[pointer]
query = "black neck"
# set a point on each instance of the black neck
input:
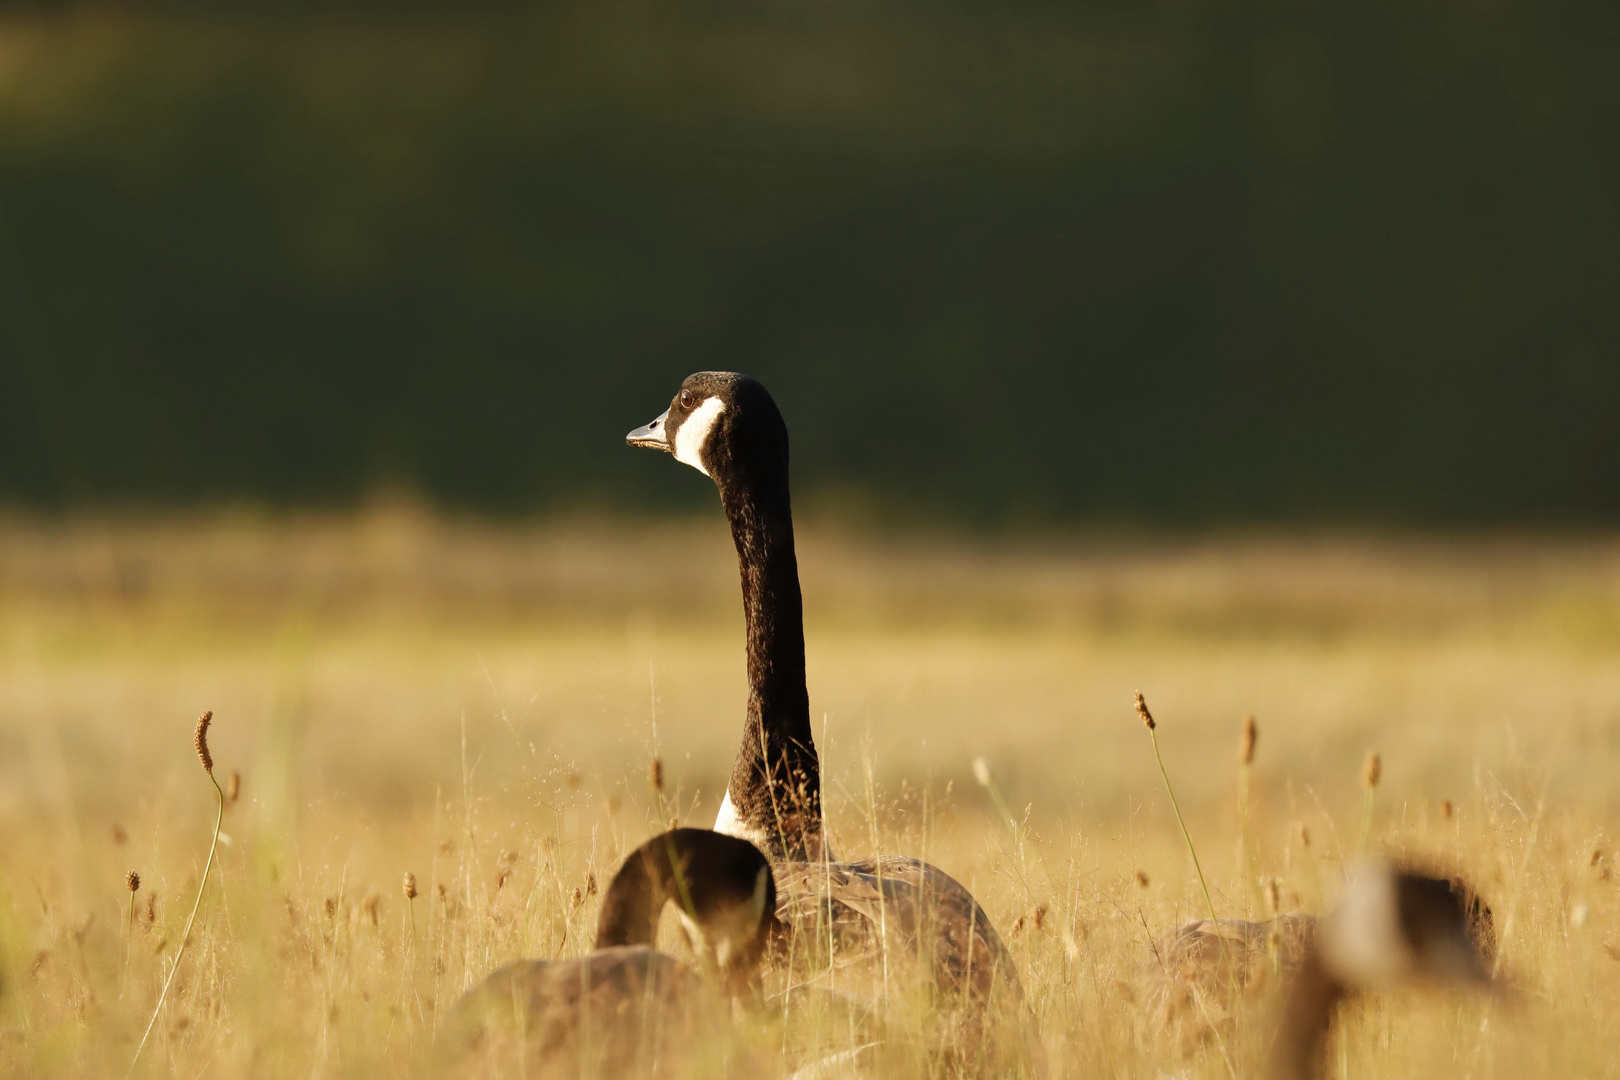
(1307, 1014)
(776, 782)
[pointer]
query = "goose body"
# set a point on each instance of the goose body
(626, 1009)
(728, 427)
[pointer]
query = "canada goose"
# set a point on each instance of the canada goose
(626, 1009)
(1196, 968)
(1391, 928)
(728, 427)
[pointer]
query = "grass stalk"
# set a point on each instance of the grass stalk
(185, 937)
(1371, 771)
(1246, 746)
(132, 884)
(1214, 921)
(1153, 735)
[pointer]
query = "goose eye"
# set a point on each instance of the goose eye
(687, 400)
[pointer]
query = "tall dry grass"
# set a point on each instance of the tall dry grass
(478, 706)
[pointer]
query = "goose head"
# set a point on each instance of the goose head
(1393, 927)
(722, 888)
(724, 425)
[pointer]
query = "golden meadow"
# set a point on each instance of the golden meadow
(479, 705)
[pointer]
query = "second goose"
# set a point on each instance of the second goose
(626, 1009)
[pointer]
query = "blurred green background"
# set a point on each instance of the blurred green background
(1185, 261)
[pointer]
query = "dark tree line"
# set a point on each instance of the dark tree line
(1191, 261)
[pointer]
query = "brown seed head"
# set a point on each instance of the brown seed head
(1273, 900)
(1371, 770)
(233, 787)
(201, 740)
(132, 881)
(1142, 711)
(655, 774)
(590, 883)
(408, 887)
(1445, 809)
(577, 898)
(1141, 879)
(1251, 735)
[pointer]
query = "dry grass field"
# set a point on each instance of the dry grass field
(478, 705)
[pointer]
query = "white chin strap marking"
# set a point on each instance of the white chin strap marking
(693, 434)
(727, 821)
(730, 823)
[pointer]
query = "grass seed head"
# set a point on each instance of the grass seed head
(1371, 770)
(1142, 711)
(655, 774)
(201, 741)
(132, 881)
(408, 886)
(1251, 735)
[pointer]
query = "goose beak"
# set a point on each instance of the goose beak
(654, 436)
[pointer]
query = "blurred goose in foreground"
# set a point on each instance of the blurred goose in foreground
(1391, 928)
(854, 921)
(626, 1009)
(1196, 969)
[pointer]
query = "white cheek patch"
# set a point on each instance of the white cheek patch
(693, 434)
(1361, 940)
